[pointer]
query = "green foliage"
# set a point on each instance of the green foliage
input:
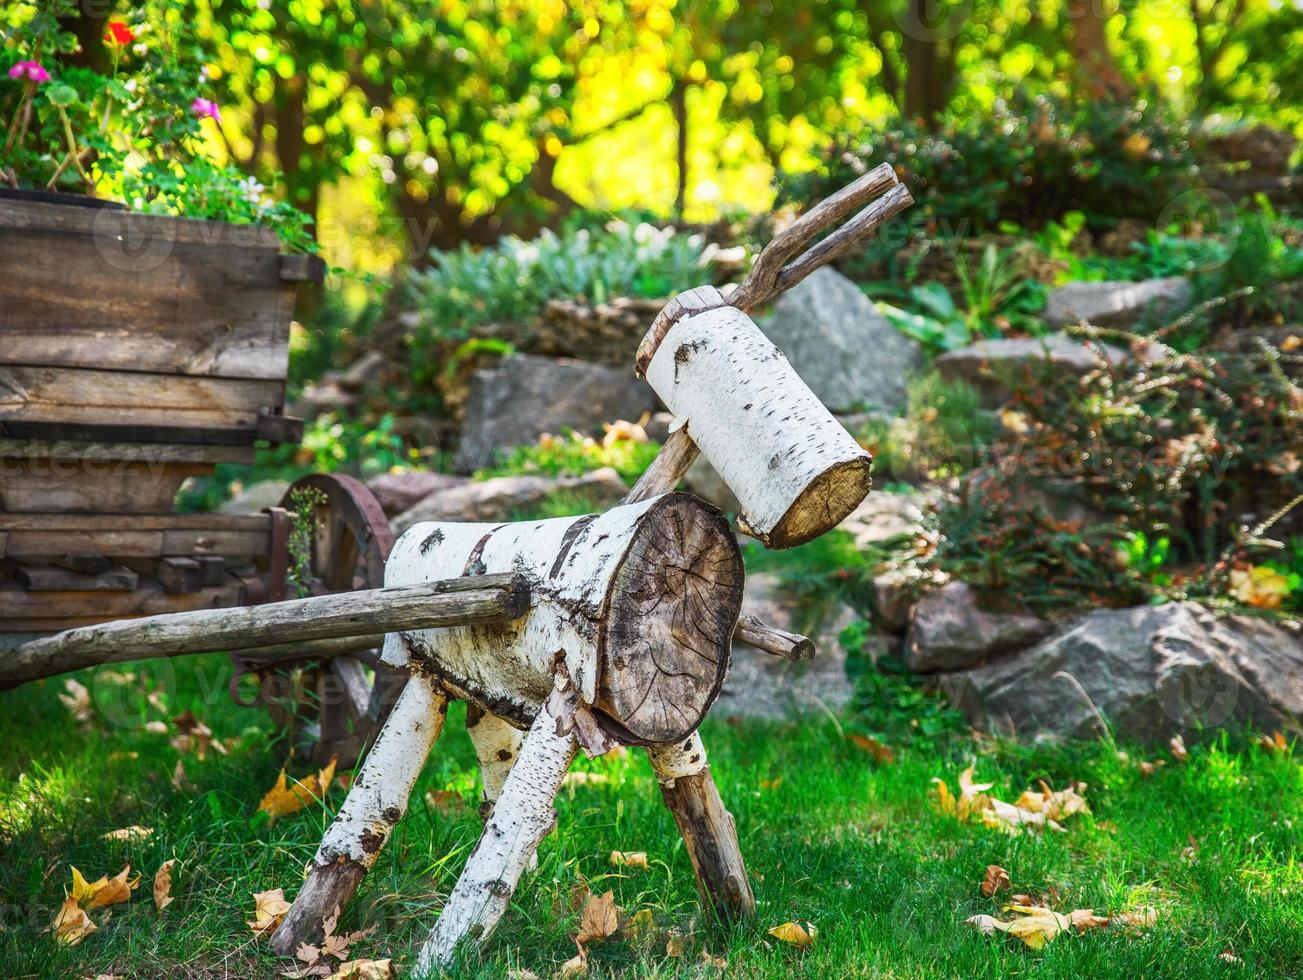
(943, 433)
(1290, 565)
(513, 279)
(821, 576)
(133, 133)
(573, 454)
(1029, 161)
(1261, 264)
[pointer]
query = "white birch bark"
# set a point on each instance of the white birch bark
(796, 472)
(497, 744)
(522, 817)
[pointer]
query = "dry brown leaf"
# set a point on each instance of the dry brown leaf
(1140, 917)
(1273, 743)
(718, 962)
(1084, 920)
(282, 799)
(675, 946)
(1037, 927)
(1147, 769)
(163, 885)
(363, 970)
(157, 727)
(76, 700)
(194, 735)
(970, 798)
(1226, 956)
(1056, 805)
(269, 908)
(795, 934)
(445, 801)
(621, 430)
(599, 918)
(576, 966)
(771, 784)
(1179, 752)
(996, 880)
(128, 833)
(882, 754)
(1010, 818)
(71, 924)
(105, 891)
(987, 925)
(630, 859)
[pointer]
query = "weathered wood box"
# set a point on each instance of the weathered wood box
(125, 327)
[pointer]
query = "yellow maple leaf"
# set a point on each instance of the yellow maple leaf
(795, 934)
(163, 885)
(970, 800)
(630, 859)
(105, 891)
(282, 799)
(1038, 925)
(363, 970)
(599, 918)
(1259, 586)
(269, 908)
(72, 924)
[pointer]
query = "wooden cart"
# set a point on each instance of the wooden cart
(137, 351)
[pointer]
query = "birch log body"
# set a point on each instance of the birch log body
(376, 801)
(640, 603)
(496, 745)
(793, 468)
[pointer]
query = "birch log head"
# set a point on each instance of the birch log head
(639, 603)
(796, 472)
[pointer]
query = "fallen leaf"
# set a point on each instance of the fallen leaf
(128, 833)
(179, 781)
(794, 934)
(269, 908)
(675, 946)
(882, 754)
(1085, 919)
(1273, 743)
(621, 430)
(970, 798)
(599, 918)
(1055, 804)
(72, 924)
(282, 799)
(1147, 769)
(446, 801)
(163, 885)
(1010, 818)
(157, 727)
(987, 925)
(630, 859)
(1038, 925)
(718, 962)
(1141, 917)
(363, 970)
(996, 880)
(105, 891)
(76, 700)
(1226, 956)
(576, 966)
(1179, 752)
(194, 735)
(771, 784)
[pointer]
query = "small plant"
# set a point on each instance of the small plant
(134, 134)
(574, 454)
(944, 432)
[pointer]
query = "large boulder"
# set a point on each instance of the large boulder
(525, 396)
(948, 630)
(498, 498)
(1116, 304)
(991, 366)
(841, 346)
(1150, 672)
(761, 685)
(396, 492)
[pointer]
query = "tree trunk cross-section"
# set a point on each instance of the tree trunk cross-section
(639, 603)
(674, 603)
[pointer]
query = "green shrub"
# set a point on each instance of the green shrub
(943, 433)
(1030, 160)
(572, 454)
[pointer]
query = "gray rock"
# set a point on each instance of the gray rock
(492, 500)
(760, 685)
(841, 346)
(883, 516)
(396, 492)
(256, 497)
(702, 480)
(990, 365)
(526, 396)
(948, 631)
(1116, 304)
(1150, 671)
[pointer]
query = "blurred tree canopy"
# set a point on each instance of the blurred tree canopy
(409, 124)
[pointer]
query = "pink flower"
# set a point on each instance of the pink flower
(202, 108)
(33, 71)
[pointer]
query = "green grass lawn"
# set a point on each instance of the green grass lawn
(830, 837)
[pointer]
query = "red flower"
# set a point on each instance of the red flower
(119, 33)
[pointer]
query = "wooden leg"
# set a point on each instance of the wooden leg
(376, 801)
(496, 746)
(520, 820)
(707, 827)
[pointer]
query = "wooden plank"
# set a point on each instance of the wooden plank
(93, 485)
(430, 605)
(136, 452)
(31, 608)
(179, 575)
(135, 535)
(153, 293)
(216, 436)
(93, 397)
(44, 578)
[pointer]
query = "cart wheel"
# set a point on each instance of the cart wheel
(334, 707)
